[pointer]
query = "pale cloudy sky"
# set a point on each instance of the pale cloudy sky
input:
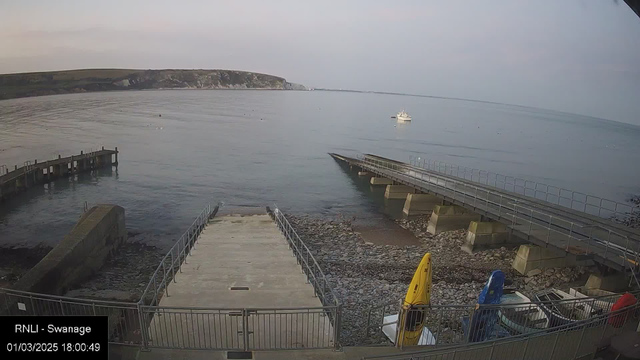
(580, 56)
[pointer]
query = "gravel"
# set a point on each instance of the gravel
(15, 262)
(125, 275)
(364, 275)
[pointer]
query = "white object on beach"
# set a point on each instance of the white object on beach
(389, 328)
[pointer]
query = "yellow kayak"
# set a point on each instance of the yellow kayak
(419, 293)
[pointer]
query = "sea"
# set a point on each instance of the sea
(183, 149)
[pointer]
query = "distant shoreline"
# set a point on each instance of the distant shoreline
(20, 85)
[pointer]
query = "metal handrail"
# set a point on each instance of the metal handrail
(305, 257)
(314, 273)
(596, 302)
(605, 298)
(578, 325)
(182, 248)
(518, 185)
(512, 212)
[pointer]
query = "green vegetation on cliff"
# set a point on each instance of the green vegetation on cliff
(74, 81)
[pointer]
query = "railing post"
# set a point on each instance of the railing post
(164, 279)
(180, 255)
(337, 327)
(589, 239)
(155, 290)
(524, 352)
(604, 330)
(245, 329)
(600, 207)
(33, 308)
(572, 194)
(143, 326)
(493, 346)
(400, 325)
(173, 271)
(555, 343)
(185, 247)
(575, 355)
(475, 197)
(606, 249)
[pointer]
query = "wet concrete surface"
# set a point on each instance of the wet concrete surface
(384, 231)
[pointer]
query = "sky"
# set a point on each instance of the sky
(578, 56)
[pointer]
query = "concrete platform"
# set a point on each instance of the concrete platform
(348, 353)
(531, 257)
(486, 234)
(241, 262)
(446, 218)
(398, 192)
(420, 204)
(380, 181)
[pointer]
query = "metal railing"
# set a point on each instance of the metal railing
(238, 328)
(146, 324)
(124, 320)
(315, 276)
(575, 200)
(568, 341)
(307, 261)
(606, 245)
(241, 329)
(460, 324)
(172, 262)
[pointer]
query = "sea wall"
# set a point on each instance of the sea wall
(96, 236)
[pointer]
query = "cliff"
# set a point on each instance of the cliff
(74, 81)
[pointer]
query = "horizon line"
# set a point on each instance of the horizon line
(474, 100)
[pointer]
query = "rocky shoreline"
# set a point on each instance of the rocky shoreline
(365, 275)
(125, 275)
(122, 278)
(15, 262)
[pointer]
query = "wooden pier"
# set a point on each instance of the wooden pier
(22, 178)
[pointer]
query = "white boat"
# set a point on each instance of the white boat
(523, 316)
(599, 300)
(402, 116)
(563, 308)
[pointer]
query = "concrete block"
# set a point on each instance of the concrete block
(485, 234)
(534, 272)
(380, 181)
(84, 250)
(450, 217)
(613, 282)
(398, 191)
(583, 291)
(530, 257)
(420, 204)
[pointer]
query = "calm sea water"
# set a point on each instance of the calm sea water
(250, 148)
